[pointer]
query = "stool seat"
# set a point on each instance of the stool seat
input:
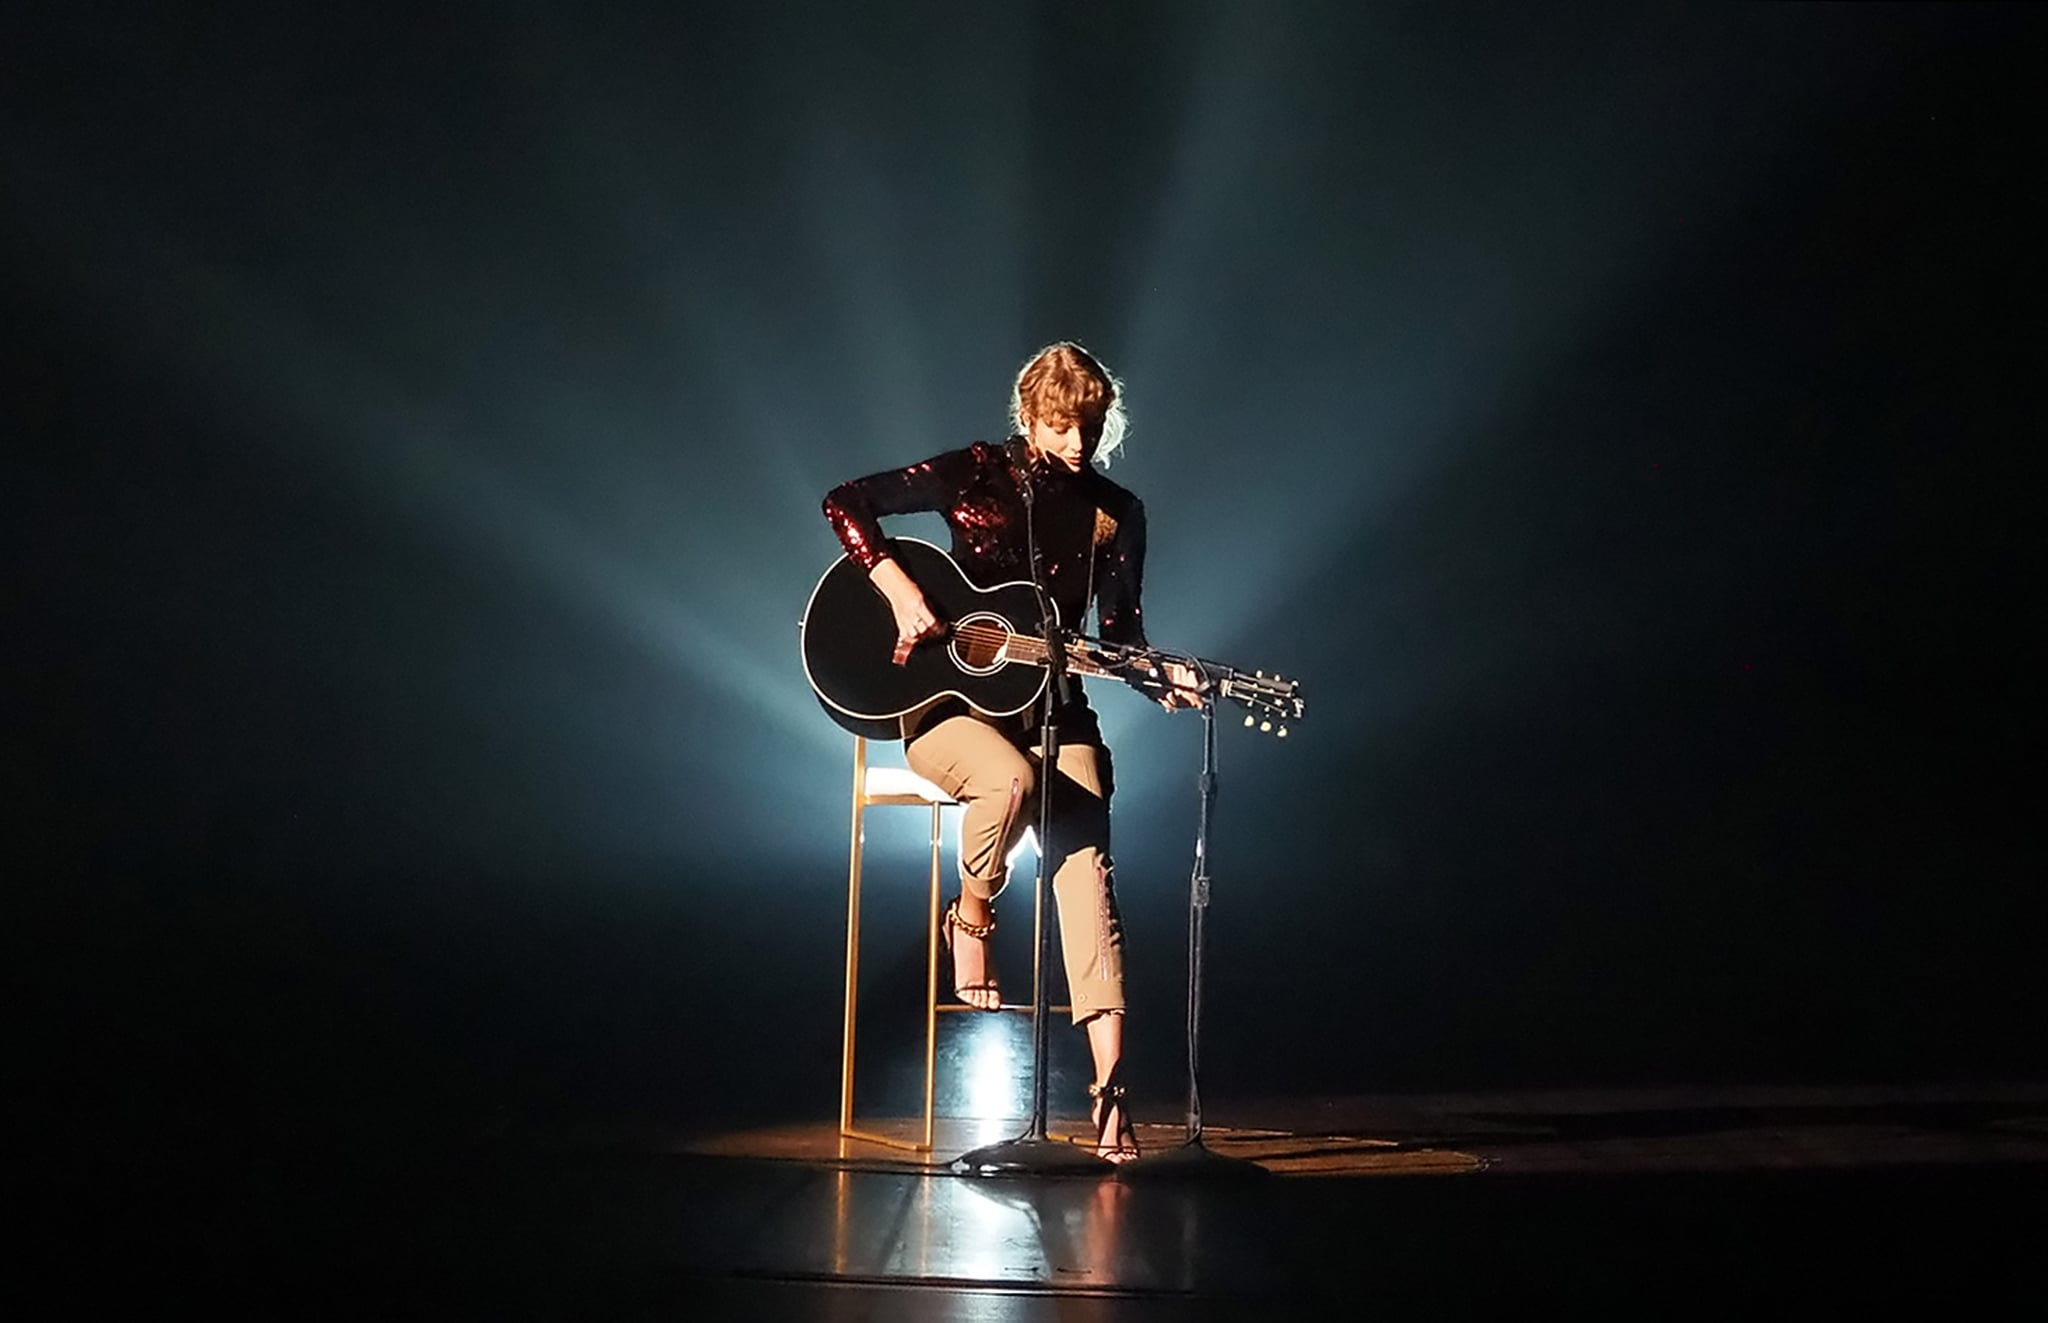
(900, 785)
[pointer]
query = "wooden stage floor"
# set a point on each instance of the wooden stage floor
(1674, 1201)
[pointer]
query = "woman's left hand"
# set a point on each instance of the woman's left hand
(1186, 687)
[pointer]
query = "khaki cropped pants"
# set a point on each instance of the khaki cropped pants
(977, 763)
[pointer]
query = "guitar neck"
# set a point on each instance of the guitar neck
(1138, 666)
(1031, 651)
(1144, 669)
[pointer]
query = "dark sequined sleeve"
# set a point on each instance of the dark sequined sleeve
(1118, 596)
(854, 508)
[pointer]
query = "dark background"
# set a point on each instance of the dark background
(1618, 419)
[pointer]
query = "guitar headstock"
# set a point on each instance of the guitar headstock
(1270, 702)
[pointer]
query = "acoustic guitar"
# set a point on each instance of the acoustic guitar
(991, 654)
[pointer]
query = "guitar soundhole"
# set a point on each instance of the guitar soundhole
(978, 642)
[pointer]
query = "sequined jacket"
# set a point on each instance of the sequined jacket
(1090, 531)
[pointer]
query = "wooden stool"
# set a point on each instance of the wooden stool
(878, 787)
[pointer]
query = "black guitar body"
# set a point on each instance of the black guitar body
(849, 635)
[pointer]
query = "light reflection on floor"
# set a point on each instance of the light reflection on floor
(888, 1226)
(991, 1065)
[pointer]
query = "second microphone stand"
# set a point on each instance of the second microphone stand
(1193, 1157)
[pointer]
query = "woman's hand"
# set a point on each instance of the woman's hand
(1186, 690)
(915, 620)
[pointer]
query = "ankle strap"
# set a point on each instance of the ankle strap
(978, 931)
(1113, 1087)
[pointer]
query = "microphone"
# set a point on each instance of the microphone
(1020, 459)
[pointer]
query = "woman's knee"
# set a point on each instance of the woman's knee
(1000, 776)
(970, 761)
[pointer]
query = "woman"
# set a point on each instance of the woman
(1037, 491)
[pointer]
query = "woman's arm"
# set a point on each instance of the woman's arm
(1119, 610)
(855, 510)
(1120, 587)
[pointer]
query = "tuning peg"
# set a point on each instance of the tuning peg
(1265, 725)
(1247, 723)
(1281, 733)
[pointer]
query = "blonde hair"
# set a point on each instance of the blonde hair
(1064, 382)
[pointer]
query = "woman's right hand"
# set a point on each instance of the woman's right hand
(915, 619)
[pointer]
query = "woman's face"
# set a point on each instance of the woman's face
(1069, 441)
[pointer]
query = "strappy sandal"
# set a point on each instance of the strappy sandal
(1110, 1111)
(980, 932)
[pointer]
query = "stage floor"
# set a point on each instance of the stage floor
(1824, 1199)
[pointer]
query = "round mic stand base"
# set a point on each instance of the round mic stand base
(1192, 1160)
(1030, 1156)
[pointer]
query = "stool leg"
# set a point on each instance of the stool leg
(931, 988)
(854, 849)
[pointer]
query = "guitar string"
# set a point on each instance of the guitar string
(1014, 646)
(1005, 643)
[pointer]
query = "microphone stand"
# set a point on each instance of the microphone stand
(1035, 1153)
(1193, 1157)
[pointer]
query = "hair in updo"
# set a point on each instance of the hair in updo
(1064, 382)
